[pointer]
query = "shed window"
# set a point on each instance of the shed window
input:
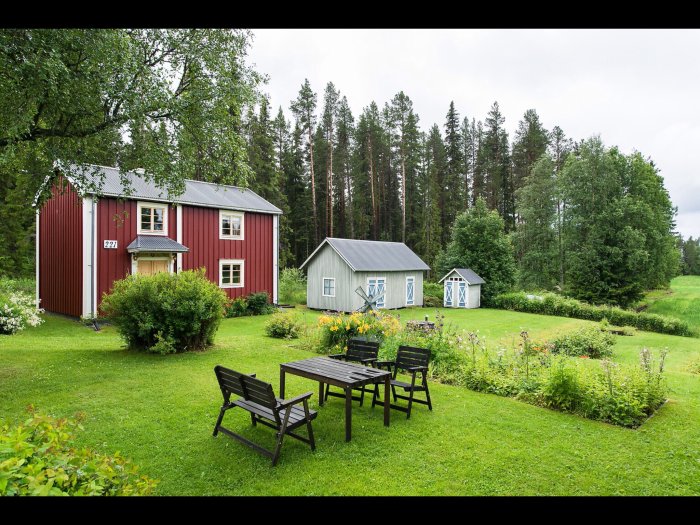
(328, 287)
(230, 225)
(231, 273)
(152, 218)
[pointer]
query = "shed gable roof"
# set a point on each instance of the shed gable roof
(108, 182)
(371, 256)
(465, 273)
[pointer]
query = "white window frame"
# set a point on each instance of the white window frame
(228, 213)
(377, 278)
(411, 278)
(142, 204)
(323, 286)
(223, 262)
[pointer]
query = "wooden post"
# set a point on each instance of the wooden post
(348, 413)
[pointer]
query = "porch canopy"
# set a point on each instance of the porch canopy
(155, 243)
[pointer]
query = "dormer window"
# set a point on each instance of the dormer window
(231, 225)
(152, 218)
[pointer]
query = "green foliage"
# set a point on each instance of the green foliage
(17, 312)
(38, 458)
(553, 304)
(237, 307)
(284, 325)
(259, 304)
(26, 286)
(432, 289)
(694, 366)
(690, 256)
(432, 302)
(337, 330)
(292, 288)
(589, 341)
(480, 243)
(166, 313)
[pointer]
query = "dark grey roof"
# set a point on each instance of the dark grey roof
(107, 181)
(155, 243)
(380, 256)
(467, 274)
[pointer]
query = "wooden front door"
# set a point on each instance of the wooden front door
(149, 267)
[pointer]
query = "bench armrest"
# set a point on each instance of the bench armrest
(295, 400)
(417, 368)
(368, 360)
(337, 356)
(387, 364)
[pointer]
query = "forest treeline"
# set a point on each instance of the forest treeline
(580, 217)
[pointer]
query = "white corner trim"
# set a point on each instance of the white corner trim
(146, 204)
(178, 216)
(36, 255)
(232, 261)
(323, 286)
(95, 235)
(275, 256)
(228, 213)
(87, 256)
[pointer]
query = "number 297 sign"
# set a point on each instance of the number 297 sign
(111, 245)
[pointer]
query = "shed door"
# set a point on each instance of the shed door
(462, 295)
(448, 293)
(410, 290)
(375, 286)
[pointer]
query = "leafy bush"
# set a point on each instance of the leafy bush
(432, 302)
(17, 312)
(337, 330)
(237, 307)
(166, 313)
(38, 458)
(553, 304)
(588, 341)
(284, 325)
(259, 304)
(7, 286)
(292, 286)
(694, 366)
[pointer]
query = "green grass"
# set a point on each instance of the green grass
(160, 411)
(682, 300)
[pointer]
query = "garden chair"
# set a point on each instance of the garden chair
(257, 397)
(410, 360)
(359, 351)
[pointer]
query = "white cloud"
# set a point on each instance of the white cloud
(638, 89)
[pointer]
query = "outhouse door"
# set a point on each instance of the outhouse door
(448, 293)
(462, 295)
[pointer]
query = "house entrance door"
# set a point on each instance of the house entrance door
(152, 266)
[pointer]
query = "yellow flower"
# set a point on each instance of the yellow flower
(347, 326)
(334, 328)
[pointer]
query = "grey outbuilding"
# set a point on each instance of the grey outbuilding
(462, 288)
(339, 266)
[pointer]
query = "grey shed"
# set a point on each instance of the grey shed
(462, 288)
(338, 266)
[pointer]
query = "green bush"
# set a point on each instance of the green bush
(694, 366)
(17, 312)
(284, 325)
(237, 307)
(432, 302)
(553, 304)
(292, 286)
(38, 458)
(8, 286)
(259, 304)
(589, 341)
(166, 313)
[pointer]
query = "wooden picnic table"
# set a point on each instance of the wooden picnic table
(341, 374)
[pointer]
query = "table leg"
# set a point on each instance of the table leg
(348, 413)
(387, 383)
(282, 383)
(320, 393)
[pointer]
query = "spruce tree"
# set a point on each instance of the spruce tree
(453, 186)
(531, 140)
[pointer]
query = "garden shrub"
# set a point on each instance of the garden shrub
(17, 312)
(259, 304)
(292, 286)
(432, 302)
(337, 330)
(238, 307)
(166, 313)
(553, 304)
(284, 325)
(588, 341)
(38, 458)
(7, 286)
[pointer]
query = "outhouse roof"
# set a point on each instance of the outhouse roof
(467, 274)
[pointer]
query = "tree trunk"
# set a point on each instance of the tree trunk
(371, 185)
(329, 184)
(350, 218)
(313, 186)
(403, 197)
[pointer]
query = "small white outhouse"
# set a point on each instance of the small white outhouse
(462, 289)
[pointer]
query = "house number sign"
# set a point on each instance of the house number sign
(111, 245)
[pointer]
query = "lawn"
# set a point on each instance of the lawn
(160, 412)
(682, 300)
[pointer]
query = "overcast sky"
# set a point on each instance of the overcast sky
(638, 89)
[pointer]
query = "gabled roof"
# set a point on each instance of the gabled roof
(155, 243)
(370, 256)
(467, 274)
(197, 193)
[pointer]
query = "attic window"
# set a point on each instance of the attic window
(152, 218)
(231, 225)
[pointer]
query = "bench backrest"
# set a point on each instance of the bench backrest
(249, 388)
(360, 349)
(410, 356)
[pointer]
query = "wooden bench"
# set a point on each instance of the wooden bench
(359, 351)
(412, 360)
(257, 397)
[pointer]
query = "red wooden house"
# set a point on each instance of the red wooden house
(86, 241)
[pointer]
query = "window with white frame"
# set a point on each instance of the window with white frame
(328, 287)
(230, 225)
(231, 273)
(152, 218)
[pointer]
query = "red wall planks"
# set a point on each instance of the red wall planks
(61, 252)
(201, 236)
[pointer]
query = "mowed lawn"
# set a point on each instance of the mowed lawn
(160, 412)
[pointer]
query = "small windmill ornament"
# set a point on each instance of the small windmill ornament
(370, 300)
